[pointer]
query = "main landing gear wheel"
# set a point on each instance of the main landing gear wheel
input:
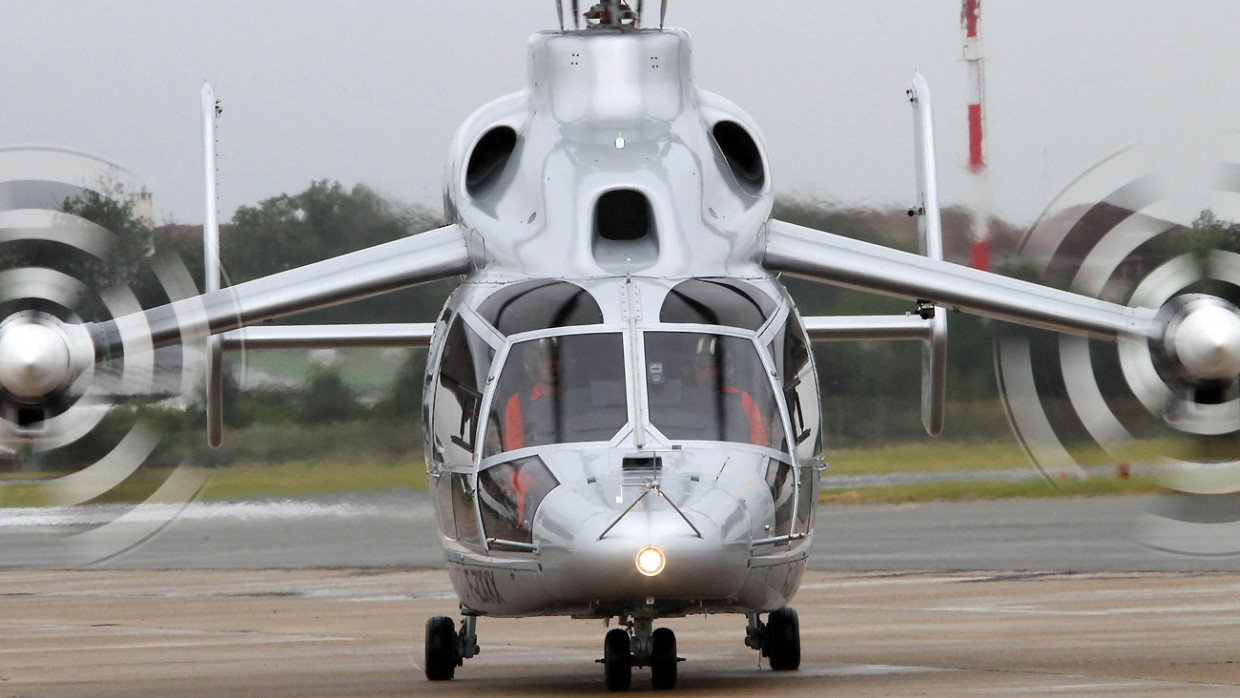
(617, 660)
(783, 639)
(441, 655)
(663, 659)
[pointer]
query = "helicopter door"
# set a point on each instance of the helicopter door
(790, 347)
(463, 367)
(458, 382)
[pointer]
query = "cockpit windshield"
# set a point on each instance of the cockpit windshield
(710, 387)
(561, 389)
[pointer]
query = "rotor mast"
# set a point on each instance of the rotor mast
(608, 14)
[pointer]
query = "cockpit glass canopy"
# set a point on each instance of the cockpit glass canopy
(539, 305)
(710, 387)
(728, 302)
(561, 389)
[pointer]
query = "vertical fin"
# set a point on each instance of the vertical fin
(930, 229)
(211, 266)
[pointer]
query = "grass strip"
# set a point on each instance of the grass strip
(981, 490)
(317, 478)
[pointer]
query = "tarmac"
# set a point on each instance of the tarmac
(329, 597)
(358, 632)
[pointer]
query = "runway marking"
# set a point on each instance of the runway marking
(236, 639)
(1025, 610)
(889, 581)
(1076, 688)
(838, 671)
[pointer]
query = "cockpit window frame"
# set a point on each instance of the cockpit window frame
(486, 460)
(779, 421)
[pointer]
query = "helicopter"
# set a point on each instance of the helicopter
(621, 409)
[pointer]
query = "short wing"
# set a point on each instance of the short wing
(352, 336)
(416, 259)
(865, 266)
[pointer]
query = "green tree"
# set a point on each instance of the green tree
(326, 220)
(327, 398)
(1207, 232)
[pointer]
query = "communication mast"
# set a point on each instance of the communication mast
(970, 21)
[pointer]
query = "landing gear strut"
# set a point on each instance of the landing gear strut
(447, 648)
(640, 645)
(779, 638)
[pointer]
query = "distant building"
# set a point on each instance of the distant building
(143, 208)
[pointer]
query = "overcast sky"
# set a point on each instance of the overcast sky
(372, 91)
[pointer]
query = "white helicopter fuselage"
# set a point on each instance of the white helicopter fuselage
(615, 217)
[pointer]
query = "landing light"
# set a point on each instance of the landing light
(650, 561)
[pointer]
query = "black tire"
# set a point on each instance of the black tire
(617, 660)
(783, 639)
(440, 656)
(663, 659)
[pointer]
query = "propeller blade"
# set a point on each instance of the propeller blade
(662, 13)
(639, 13)
(559, 12)
(576, 16)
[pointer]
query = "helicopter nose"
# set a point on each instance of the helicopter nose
(643, 544)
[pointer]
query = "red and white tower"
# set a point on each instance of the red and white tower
(970, 21)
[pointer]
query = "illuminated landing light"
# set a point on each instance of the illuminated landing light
(650, 561)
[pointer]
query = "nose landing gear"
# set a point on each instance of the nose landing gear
(617, 660)
(640, 645)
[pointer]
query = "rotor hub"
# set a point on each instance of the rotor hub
(37, 357)
(1204, 339)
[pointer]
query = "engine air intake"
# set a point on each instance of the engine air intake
(622, 214)
(488, 159)
(742, 153)
(625, 228)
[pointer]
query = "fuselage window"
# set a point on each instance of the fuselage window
(710, 387)
(727, 302)
(463, 370)
(466, 526)
(538, 305)
(559, 390)
(800, 390)
(780, 480)
(509, 495)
